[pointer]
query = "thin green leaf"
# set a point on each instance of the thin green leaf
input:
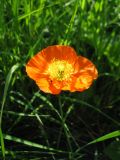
(29, 143)
(7, 82)
(2, 144)
(107, 136)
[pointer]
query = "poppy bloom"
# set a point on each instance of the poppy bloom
(58, 67)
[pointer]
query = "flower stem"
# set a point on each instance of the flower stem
(64, 127)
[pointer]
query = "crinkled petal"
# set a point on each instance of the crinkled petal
(67, 85)
(36, 66)
(54, 90)
(59, 52)
(87, 66)
(46, 85)
(82, 82)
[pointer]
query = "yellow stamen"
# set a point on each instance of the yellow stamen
(60, 70)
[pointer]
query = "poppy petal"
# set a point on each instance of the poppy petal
(82, 82)
(59, 52)
(44, 85)
(36, 66)
(53, 89)
(47, 86)
(67, 85)
(85, 65)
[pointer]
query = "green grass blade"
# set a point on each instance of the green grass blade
(2, 28)
(7, 83)
(107, 136)
(83, 4)
(2, 144)
(65, 41)
(100, 139)
(29, 143)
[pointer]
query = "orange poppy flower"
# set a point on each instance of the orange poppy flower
(58, 68)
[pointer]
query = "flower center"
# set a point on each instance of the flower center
(60, 70)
